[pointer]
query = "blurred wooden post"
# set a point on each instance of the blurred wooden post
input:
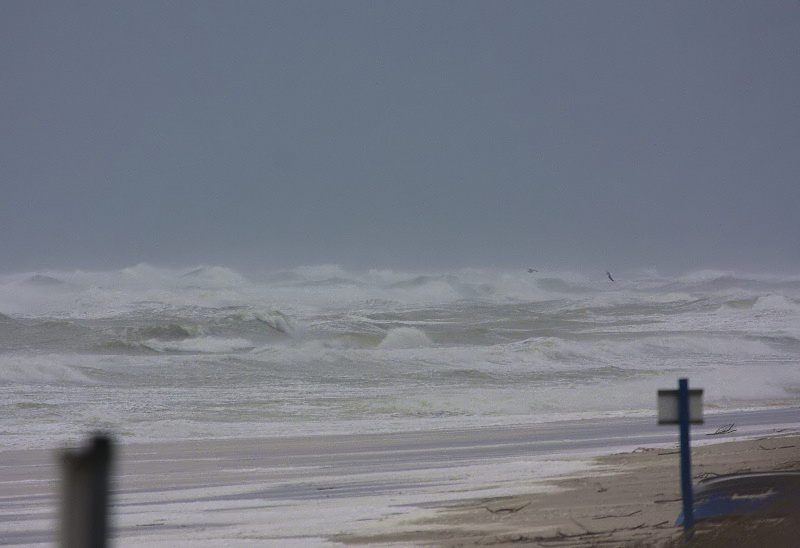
(85, 495)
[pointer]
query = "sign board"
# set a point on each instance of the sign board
(668, 406)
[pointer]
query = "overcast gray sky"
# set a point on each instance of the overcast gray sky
(404, 134)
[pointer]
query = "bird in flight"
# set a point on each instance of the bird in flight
(610, 277)
(532, 270)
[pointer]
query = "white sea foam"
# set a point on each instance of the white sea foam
(215, 345)
(776, 303)
(43, 369)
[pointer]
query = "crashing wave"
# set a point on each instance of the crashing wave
(405, 337)
(214, 276)
(43, 280)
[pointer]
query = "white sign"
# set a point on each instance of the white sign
(668, 406)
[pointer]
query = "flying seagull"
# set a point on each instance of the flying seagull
(532, 270)
(609, 276)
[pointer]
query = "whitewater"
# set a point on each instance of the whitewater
(155, 354)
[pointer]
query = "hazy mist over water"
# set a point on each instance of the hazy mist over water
(413, 135)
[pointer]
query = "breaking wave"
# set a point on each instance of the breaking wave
(405, 337)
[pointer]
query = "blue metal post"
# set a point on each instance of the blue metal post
(686, 456)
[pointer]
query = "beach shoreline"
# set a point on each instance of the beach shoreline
(450, 487)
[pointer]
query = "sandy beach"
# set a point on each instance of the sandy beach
(579, 483)
(628, 499)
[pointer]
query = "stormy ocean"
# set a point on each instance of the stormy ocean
(155, 354)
